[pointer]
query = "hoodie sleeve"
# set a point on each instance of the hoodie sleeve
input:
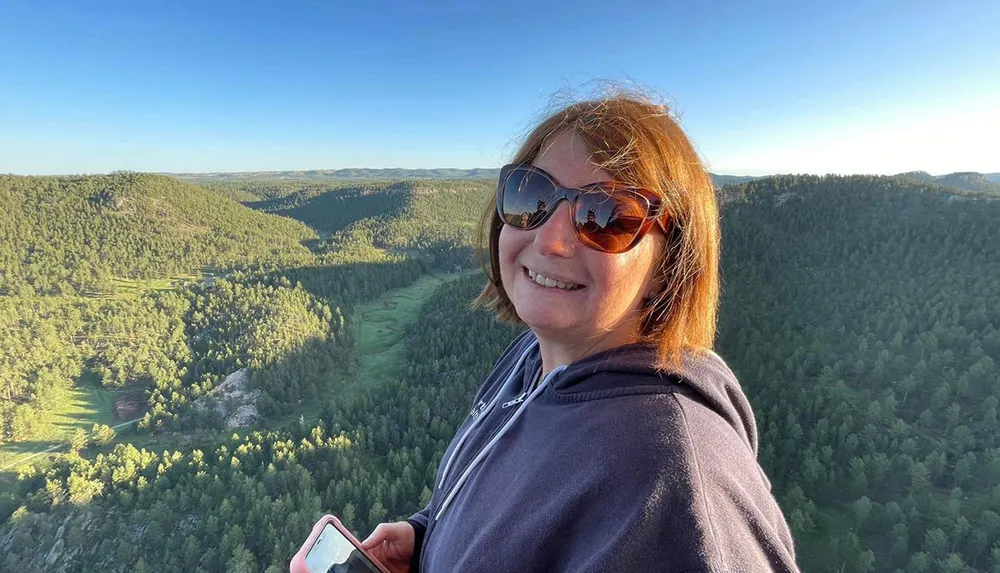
(419, 522)
(698, 503)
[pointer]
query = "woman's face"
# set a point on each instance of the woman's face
(609, 288)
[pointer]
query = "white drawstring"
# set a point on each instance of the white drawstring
(482, 453)
(483, 413)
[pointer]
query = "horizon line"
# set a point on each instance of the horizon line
(761, 173)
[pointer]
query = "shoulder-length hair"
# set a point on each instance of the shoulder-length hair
(638, 142)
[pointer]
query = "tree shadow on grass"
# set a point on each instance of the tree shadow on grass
(26, 447)
(347, 285)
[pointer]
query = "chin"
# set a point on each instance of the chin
(544, 320)
(550, 328)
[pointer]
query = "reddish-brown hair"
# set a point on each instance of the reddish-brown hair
(638, 142)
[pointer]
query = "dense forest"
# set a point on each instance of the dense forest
(858, 312)
(862, 318)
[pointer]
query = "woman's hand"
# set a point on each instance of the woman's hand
(392, 545)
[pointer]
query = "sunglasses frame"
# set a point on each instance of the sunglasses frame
(654, 212)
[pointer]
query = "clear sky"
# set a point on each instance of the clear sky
(172, 85)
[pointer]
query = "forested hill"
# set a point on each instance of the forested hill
(62, 235)
(326, 206)
(427, 219)
(860, 314)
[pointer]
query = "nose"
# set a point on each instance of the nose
(556, 236)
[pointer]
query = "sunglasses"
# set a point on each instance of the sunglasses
(609, 217)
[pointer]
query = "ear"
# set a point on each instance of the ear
(658, 282)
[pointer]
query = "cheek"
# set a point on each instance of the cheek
(615, 271)
(624, 276)
(508, 246)
(504, 242)
(504, 246)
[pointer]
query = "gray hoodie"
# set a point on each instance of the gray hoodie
(606, 465)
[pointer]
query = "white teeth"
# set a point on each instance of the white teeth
(547, 282)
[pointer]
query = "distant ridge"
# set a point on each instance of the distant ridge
(342, 174)
(721, 180)
(391, 173)
(965, 180)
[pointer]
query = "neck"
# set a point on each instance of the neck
(557, 351)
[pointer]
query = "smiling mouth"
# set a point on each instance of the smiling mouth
(544, 281)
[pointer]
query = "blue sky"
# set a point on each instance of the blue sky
(761, 87)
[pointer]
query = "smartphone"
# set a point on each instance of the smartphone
(331, 548)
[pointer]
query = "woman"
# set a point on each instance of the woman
(608, 437)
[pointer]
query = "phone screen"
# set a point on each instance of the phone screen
(334, 553)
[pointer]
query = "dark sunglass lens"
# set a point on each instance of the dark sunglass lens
(610, 222)
(526, 198)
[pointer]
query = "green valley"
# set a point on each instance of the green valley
(860, 314)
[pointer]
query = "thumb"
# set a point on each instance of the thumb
(376, 537)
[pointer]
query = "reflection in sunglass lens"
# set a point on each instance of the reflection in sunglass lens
(526, 199)
(608, 222)
(606, 219)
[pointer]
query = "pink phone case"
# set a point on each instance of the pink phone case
(298, 564)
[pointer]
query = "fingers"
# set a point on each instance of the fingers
(377, 537)
(386, 532)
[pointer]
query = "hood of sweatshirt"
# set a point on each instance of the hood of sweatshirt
(630, 369)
